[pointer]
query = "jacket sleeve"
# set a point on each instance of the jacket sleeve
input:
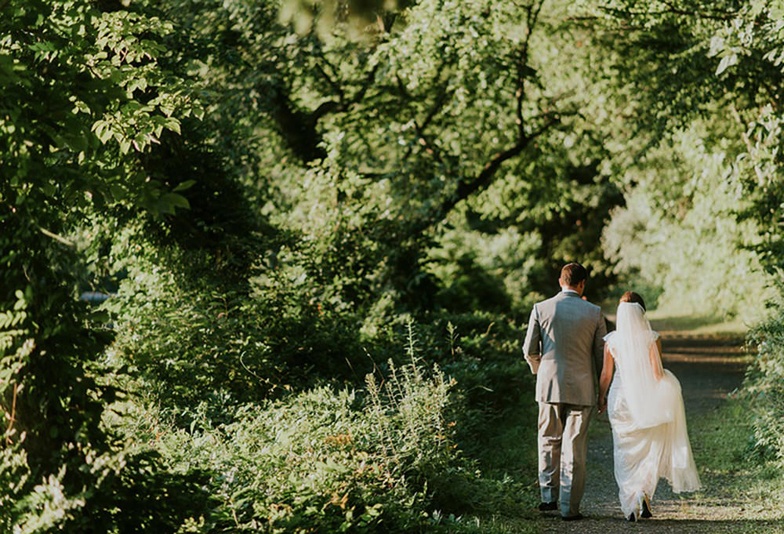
(532, 345)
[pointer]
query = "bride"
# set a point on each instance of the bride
(646, 412)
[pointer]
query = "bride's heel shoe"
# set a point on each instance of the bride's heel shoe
(646, 510)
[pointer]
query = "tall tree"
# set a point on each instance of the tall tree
(387, 136)
(83, 103)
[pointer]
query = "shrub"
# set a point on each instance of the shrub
(131, 492)
(327, 460)
(765, 384)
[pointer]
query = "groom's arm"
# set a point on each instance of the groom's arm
(533, 342)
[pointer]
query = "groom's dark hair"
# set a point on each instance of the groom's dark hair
(573, 273)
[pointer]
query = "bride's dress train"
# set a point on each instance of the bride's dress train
(643, 454)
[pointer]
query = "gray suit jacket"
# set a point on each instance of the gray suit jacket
(564, 347)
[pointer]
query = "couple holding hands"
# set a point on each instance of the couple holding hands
(567, 346)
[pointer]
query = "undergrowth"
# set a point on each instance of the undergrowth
(382, 458)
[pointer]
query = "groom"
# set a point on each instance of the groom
(564, 349)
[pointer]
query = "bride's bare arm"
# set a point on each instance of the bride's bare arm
(655, 356)
(606, 378)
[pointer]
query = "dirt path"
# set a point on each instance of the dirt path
(709, 368)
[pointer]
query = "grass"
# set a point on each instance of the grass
(698, 325)
(726, 454)
(724, 445)
(740, 490)
(506, 456)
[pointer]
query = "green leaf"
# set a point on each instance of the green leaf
(103, 130)
(183, 186)
(173, 201)
(173, 125)
(727, 62)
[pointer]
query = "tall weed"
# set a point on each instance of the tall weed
(327, 460)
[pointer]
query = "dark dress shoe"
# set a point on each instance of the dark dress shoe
(646, 512)
(575, 517)
(631, 518)
(548, 506)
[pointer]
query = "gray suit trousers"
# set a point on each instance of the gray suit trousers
(563, 451)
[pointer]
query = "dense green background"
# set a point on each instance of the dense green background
(322, 226)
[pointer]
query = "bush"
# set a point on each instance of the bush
(327, 460)
(131, 492)
(765, 384)
(184, 336)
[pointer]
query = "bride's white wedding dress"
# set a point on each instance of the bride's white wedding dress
(646, 412)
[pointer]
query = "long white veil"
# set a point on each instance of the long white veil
(655, 414)
(648, 398)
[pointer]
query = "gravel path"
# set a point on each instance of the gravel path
(709, 368)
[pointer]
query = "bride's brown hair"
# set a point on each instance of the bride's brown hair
(631, 296)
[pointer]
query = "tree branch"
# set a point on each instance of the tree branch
(332, 84)
(431, 149)
(300, 128)
(485, 177)
(420, 129)
(468, 187)
(523, 69)
(672, 10)
(713, 15)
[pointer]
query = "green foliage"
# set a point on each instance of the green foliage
(328, 460)
(84, 89)
(128, 493)
(660, 64)
(387, 139)
(764, 385)
(750, 50)
(679, 218)
(83, 100)
(310, 192)
(189, 326)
